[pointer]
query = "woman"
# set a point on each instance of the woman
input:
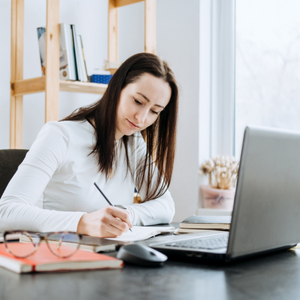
(124, 141)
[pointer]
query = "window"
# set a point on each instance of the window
(217, 57)
(267, 65)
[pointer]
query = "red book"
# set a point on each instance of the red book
(43, 260)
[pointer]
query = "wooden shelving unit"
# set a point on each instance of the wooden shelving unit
(50, 83)
(37, 85)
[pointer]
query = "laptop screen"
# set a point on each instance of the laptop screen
(266, 212)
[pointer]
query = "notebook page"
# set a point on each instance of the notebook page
(140, 233)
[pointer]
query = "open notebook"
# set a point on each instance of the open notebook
(140, 233)
(94, 244)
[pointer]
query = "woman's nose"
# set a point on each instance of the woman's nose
(141, 116)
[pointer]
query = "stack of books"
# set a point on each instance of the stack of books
(196, 223)
(71, 53)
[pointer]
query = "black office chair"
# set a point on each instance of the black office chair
(10, 159)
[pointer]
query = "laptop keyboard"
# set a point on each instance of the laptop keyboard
(200, 243)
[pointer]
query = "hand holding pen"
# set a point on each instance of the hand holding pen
(108, 201)
(107, 222)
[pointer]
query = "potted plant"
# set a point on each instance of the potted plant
(222, 172)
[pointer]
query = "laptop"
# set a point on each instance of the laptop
(266, 212)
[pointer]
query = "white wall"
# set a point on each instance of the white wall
(177, 43)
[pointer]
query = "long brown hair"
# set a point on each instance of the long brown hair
(160, 137)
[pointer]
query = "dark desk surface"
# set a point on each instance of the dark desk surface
(275, 276)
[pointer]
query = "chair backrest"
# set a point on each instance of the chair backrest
(10, 159)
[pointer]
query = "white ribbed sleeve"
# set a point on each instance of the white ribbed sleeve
(59, 172)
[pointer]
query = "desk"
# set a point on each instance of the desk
(276, 276)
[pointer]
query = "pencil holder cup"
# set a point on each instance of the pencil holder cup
(216, 198)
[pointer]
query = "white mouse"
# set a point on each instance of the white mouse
(141, 255)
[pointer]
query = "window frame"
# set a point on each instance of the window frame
(217, 79)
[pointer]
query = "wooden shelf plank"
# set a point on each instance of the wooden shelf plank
(29, 86)
(82, 87)
(150, 26)
(126, 2)
(37, 85)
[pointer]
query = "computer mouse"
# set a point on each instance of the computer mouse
(141, 255)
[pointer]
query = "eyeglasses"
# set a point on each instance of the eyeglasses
(62, 244)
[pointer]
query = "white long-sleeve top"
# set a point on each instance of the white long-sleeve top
(58, 171)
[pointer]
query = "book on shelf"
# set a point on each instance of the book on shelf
(71, 57)
(88, 243)
(205, 222)
(44, 261)
(81, 62)
(76, 53)
(67, 69)
(41, 34)
(83, 56)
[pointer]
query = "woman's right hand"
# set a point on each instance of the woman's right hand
(108, 222)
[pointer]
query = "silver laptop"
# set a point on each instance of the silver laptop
(266, 213)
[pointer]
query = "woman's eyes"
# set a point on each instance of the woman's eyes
(154, 112)
(137, 102)
(140, 103)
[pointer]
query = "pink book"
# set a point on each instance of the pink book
(43, 260)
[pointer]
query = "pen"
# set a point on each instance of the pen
(96, 185)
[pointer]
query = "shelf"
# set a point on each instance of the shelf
(119, 3)
(50, 83)
(37, 85)
(82, 87)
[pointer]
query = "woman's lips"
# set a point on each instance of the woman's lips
(133, 125)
